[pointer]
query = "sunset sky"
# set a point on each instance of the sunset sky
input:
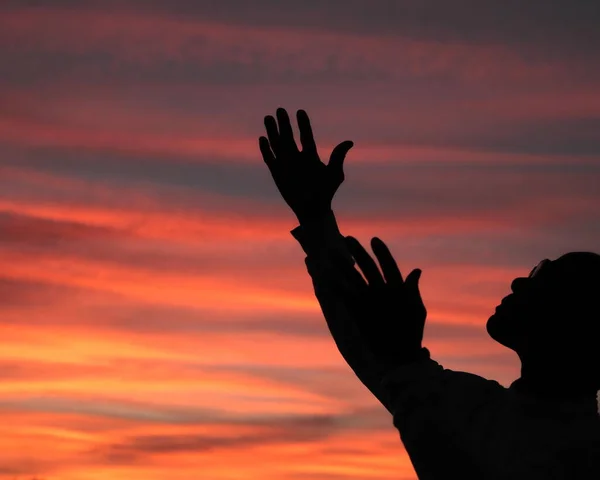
(156, 318)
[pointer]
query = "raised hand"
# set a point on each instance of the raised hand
(388, 310)
(305, 182)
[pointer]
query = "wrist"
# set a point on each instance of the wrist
(321, 217)
(319, 234)
(322, 225)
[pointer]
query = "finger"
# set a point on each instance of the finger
(412, 282)
(306, 134)
(389, 267)
(414, 277)
(265, 149)
(286, 134)
(365, 262)
(272, 133)
(336, 160)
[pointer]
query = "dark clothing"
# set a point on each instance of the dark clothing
(456, 424)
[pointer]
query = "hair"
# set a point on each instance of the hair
(569, 308)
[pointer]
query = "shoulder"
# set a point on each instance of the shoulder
(468, 391)
(471, 382)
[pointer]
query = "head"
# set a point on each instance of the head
(553, 314)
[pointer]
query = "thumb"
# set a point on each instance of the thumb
(412, 280)
(412, 284)
(338, 155)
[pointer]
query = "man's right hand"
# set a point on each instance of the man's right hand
(304, 181)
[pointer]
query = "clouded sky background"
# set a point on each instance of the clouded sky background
(156, 318)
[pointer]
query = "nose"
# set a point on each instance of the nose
(518, 283)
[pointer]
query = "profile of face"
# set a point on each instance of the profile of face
(508, 324)
(548, 309)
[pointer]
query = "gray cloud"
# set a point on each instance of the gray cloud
(405, 186)
(27, 231)
(22, 293)
(279, 430)
(537, 32)
(567, 24)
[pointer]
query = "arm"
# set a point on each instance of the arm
(308, 186)
(321, 240)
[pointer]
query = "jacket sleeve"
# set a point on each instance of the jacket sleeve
(321, 240)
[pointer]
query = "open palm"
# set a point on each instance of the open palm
(305, 182)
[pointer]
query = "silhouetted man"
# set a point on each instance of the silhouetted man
(453, 424)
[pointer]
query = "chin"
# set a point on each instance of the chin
(491, 325)
(496, 327)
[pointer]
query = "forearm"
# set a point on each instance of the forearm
(321, 240)
(350, 344)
